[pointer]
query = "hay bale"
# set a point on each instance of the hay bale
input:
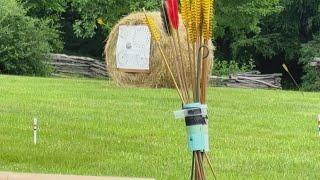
(158, 76)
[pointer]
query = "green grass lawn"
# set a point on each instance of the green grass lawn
(91, 127)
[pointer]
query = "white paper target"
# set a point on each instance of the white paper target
(133, 48)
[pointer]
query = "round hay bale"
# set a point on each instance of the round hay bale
(158, 76)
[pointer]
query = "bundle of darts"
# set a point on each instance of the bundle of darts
(191, 78)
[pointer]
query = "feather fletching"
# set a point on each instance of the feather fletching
(173, 13)
(165, 19)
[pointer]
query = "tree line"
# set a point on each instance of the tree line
(248, 34)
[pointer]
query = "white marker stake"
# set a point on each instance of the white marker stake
(319, 124)
(35, 128)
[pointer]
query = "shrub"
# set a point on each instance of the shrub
(225, 68)
(24, 41)
(311, 78)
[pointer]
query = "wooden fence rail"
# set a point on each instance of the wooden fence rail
(315, 62)
(78, 65)
(249, 80)
(84, 66)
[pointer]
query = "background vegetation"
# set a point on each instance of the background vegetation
(265, 32)
(24, 41)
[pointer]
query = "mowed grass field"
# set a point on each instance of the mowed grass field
(91, 127)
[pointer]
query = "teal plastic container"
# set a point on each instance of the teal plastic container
(197, 134)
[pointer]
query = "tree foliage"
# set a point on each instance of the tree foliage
(265, 33)
(243, 16)
(77, 20)
(237, 22)
(109, 10)
(24, 41)
(287, 30)
(280, 39)
(311, 78)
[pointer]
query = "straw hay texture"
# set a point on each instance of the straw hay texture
(158, 76)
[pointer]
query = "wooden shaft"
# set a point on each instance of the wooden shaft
(180, 62)
(181, 76)
(182, 66)
(197, 46)
(194, 75)
(197, 168)
(176, 63)
(170, 71)
(196, 89)
(191, 64)
(200, 158)
(204, 81)
(199, 67)
(291, 76)
(204, 77)
(182, 92)
(192, 166)
(211, 167)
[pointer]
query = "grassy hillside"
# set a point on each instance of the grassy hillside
(90, 127)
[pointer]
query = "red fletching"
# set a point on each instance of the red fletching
(173, 13)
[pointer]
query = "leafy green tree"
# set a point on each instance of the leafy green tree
(110, 11)
(248, 13)
(239, 20)
(50, 12)
(77, 20)
(283, 33)
(242, 17)
(25, 42)
(280, 38)
(311, 78)
(45, 8)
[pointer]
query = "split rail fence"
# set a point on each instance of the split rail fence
(89, 67)
(249, 80)
(315, 62)
(75, 65)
